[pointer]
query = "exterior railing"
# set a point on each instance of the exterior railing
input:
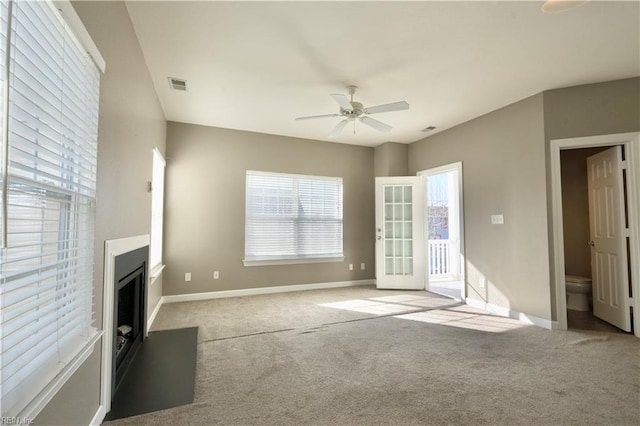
(439, 258)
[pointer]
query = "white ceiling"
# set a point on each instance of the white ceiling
(257, 65)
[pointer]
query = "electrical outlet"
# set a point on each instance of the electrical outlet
(187, 276)
(362, 266)
(497, 219)
(216, 275)
(351, 266)
(481, 282)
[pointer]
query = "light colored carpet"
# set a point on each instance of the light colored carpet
(307, 359)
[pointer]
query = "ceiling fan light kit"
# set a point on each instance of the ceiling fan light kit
(352, 110)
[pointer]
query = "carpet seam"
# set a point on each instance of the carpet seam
(261, 333)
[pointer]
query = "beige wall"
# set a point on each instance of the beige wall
(592, 109)
(575, 210)
(131, 123)
(205, 199)
(503, 162)
(390, 159)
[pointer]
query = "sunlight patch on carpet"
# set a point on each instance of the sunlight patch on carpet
(469, 320)
(369, 307)
(421, 301)
(399, 298)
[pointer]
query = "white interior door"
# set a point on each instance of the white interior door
(608, 238)
(400, 233)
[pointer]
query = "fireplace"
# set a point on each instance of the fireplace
(129, 310)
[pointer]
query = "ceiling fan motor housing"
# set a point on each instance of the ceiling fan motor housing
(357, 110)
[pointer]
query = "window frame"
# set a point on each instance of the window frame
(157, 215)
(69, 179)
(266, 260)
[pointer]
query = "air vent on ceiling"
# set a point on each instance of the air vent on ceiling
(428, 129)
(178, 84)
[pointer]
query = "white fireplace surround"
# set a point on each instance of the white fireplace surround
(113, 248)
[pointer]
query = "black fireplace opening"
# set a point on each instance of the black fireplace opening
(129, 319)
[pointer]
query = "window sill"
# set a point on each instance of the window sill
(293, 261)
(155, 272)
(72, 364)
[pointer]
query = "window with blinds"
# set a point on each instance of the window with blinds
(292, 218)
(49, 110)
(157, 212)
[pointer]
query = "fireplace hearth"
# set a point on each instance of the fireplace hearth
(129, 319)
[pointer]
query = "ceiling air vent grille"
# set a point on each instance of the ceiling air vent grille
(178, 84)
(428, 129)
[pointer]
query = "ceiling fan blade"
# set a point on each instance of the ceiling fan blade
(338, 129)
(343, 101)
(309, 117)
(378, 125)
(395, 106)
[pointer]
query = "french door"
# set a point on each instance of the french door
(400, 233)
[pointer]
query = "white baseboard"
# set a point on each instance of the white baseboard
(261, 290)
(98, 418)
(510, 313)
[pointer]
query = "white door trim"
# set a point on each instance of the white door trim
(631, 143)
(457, 166)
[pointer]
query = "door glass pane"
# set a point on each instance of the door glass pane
(397, 229)
(388, 212)
(407, 194)
(408, 266)
(388, 194)
(397, 247)
(388, 229)
(388, 265)
(408, 248)
(408, 208)
(398, 212)
(398, 232)
(397, 194)
(388, 248)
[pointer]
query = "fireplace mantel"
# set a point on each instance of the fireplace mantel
(112, 249)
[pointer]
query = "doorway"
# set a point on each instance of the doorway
(630, 145)
(443, 228)
(577, 233)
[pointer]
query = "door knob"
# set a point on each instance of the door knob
(379, 237)
(591, 243)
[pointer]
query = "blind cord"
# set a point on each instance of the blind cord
(5, 128)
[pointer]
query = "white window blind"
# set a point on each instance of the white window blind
(49, 151)
(157, 210)
(292, 217)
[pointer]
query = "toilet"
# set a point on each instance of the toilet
(578, 292)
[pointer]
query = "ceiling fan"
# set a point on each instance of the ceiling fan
(352, 110)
